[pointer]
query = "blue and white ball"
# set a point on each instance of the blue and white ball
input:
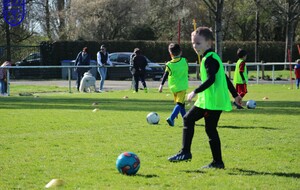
(153, 118)
(251, 104)
(128, 163)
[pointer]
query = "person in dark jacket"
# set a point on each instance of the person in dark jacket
(3, 78)
(138, 69)
(82, 59)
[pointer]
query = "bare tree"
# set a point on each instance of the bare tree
(47, 20)
(290, 10)
(100, 19)
(16, 34)
(164, 16)
(60, 6)
(216, 7)
(257, 33)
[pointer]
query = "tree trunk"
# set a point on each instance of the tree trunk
(8, 50)
(61, 16)
(48, 28)
(288, 44)
(257, 32)
(218, 28)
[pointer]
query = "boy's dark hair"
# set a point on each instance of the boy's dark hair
(174, 49)
(205, 32)
(241, 53)
(137, 51)
(85, 49)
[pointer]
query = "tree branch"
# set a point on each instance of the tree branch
(210, 6)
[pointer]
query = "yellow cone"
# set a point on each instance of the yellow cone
(54, 183)
(95, 110)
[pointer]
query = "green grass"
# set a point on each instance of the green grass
(56, 135)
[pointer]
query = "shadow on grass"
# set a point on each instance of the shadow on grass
(237, 127)
(237, 171)
(85, 104)
(147, 176)
(280, 104)
(78, 103)
(193, 171)
(273, 107)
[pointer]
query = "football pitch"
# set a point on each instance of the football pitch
(49, 133)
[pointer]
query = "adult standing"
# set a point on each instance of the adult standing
(83, 59)
(138, 70)
(103, 61)
(3, 78)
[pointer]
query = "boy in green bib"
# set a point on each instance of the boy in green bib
(213, 98)
(177, 74)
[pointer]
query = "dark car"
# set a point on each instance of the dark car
(119, 59)
(33, 59)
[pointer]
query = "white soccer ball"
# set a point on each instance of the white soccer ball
(153, 118)
(251, 104)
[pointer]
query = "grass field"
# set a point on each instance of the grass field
(54, 134)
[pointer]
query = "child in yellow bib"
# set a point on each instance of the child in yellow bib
(177, 74)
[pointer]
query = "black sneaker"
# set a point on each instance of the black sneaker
(170, 122)
(181, 157)
(238, 106)
(214, 165)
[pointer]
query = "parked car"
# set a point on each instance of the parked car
(33, 59)
(153, 70)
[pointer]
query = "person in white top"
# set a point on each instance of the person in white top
(103, 61)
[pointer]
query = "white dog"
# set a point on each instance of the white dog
(87, 81)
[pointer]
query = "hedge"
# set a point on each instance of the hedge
(157, 51)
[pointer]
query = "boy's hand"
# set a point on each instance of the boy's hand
(190, 96)
(238, 100)
(160, 88)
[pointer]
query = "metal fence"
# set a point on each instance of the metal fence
(257, 68)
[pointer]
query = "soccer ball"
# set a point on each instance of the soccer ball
(128, 163)
(251, 104)
(153, 118)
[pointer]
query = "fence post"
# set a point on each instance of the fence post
(8, 82)
(197, 70)
(262, 70)
(69, 78)
(229, 69)
(257, 73)
(273, 75)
